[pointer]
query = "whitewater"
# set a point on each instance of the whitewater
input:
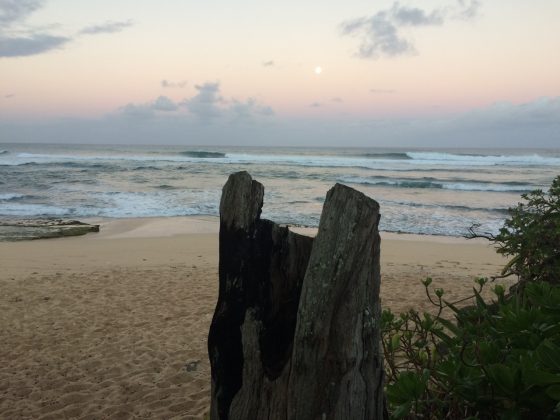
(435, 191)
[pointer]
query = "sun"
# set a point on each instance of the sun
(318, 70)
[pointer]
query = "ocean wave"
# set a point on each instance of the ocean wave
(464, 185)
(396, 156)
(453, 207)
(203, 154)
(483, 160)
(11, 196)
(382, 161)
(34, 210)
(3, 152)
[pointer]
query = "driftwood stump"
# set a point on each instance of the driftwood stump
(295, 333)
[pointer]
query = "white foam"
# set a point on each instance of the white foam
(421, 158)
(29, 210)
(10, 196)
(435, 158)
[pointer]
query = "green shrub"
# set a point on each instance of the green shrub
(531, 236)
(496, 361)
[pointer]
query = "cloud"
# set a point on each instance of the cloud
(163, 103)
(141, 112)
(381, 33)
(246, 111)
(15, 42)
(315, 105)
(380, 36)
(9, 96)
(150, 109)
(206, 107)
(12, 11)
(205, 104)
(107, 28)
(542, 111)
(467, 10)
(168, 84)
(337, 99)
(32, 45)
(535, 124)
(268, 63)
(413, 16)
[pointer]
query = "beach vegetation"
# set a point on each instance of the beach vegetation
(493, 360)
(497, 359)
(530, 237)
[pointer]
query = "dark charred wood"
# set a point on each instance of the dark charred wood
(261, 271)
(295, 333)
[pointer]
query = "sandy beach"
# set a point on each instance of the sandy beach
(114, 324)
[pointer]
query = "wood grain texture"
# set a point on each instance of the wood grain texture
(295, 331)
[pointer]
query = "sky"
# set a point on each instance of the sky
(430, 73)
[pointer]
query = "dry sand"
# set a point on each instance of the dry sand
(114, 324)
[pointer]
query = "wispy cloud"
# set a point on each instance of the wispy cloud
(106, 28)
(466, 10)
(315, 105)
(168, 84)
(31, 45)
(9, 96)
(269, 63)
(381, 34)
(12, 11)
(18, 42)
(413, 16)
(337, 100)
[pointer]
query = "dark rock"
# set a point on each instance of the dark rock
(25, 229)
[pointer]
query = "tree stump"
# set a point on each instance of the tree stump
(295, 332)
(337, 367)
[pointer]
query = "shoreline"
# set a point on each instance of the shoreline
(114, 324)
(207, 220)
(210, 224)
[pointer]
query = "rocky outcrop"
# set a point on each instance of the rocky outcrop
(25, 229)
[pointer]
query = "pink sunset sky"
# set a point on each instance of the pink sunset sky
(371, 73)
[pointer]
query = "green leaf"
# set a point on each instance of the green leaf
(395, 340)
(540, 378)
(553, 392)
(402, 410)
(503, 377)
(450, 326)
(549, 354)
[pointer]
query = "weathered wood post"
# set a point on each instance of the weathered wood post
(337, 366)
(261, 271)
(295, 333)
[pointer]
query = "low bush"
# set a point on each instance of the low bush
(530, 236)
(496, 360)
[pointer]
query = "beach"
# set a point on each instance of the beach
(114, 324)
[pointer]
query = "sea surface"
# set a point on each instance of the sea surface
(424, 191)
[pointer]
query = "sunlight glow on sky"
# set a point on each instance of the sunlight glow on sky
(279, 63)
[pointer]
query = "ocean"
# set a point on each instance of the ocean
(423, 191)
